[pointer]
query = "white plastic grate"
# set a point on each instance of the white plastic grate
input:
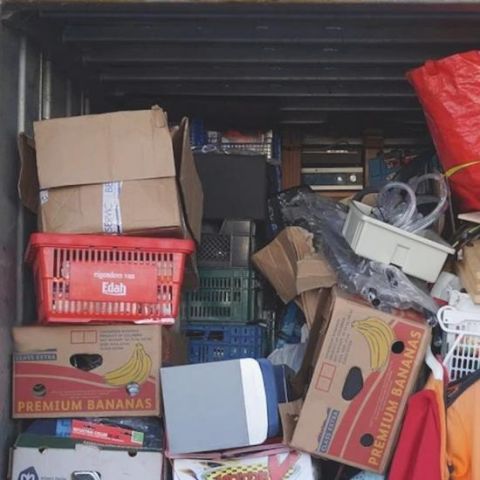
(462, 341)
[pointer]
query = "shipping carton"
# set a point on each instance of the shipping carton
(291, 265)
(89, 371)
(47, 458)
(280, 466)
(122, 172)
(365, 370)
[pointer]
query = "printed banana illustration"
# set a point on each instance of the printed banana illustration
(379, 337)
(135, 370)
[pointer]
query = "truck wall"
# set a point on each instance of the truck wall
(9, 47)
(30, 88)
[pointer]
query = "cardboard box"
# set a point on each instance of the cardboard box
(279, 466)
(51, 376)
(47, 458)
(364, 372)
(122, 172)
(291, 265)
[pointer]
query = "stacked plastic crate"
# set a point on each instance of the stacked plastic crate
(221, 315)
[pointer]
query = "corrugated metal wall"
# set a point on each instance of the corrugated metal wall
(9, 65)
(31, 87)
(336, 68)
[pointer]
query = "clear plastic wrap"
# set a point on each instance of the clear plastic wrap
(384, 286)
(425, 222)
(290, 355)
(400, 210)
(392, 207)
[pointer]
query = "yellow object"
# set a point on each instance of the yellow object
(135, 370)
(457, 168)
(379, 337)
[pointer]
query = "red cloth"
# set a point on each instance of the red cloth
(418, 452)
(449, 91)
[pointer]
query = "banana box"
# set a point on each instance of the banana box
(86, 371)
(365, 371)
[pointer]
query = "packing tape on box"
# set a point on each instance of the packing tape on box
(112, 215)
(43, 197)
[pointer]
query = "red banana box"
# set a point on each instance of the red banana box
(366, 368)
(65, 371)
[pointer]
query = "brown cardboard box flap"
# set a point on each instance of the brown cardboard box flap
(313, 272)
(289, 413)
(102, 148)
(313, 304)
(291, 265)
(278, 260)
(191, 191)
(28, 188)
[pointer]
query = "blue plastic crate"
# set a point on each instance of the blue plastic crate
(211, 343)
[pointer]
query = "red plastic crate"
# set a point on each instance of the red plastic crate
(86, 278)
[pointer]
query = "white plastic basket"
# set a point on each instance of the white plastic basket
(462, 340)
(416, 255)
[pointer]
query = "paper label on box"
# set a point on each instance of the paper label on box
(111, 212)
(114, 282)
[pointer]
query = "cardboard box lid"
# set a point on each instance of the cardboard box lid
(103, 148)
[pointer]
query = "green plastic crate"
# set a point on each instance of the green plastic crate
(224, 295)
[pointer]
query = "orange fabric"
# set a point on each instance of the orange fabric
(463, 430)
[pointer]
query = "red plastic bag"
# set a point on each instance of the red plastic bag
(449, 91)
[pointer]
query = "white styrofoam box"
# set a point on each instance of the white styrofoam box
(84, 462)
(416, 255)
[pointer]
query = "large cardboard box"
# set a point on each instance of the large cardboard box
(365, 370)
(122, 172)
(47, 458)
(86, 371)
(262, 466)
